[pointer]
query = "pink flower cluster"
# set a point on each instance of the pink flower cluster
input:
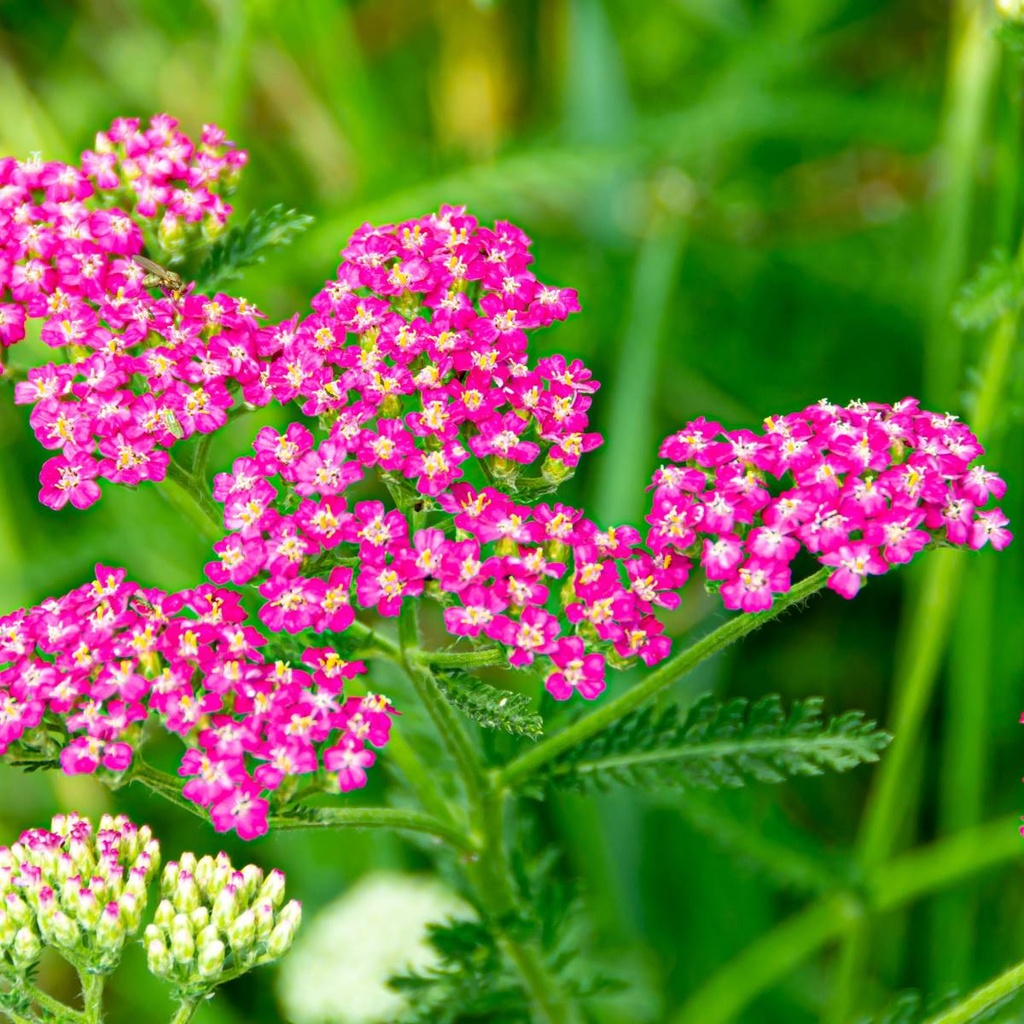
(439, 308)
(491, 562)
(141, 372)
(416, 352)
(861, 488)
(103, 659)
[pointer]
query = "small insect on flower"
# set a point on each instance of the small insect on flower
(160, 277)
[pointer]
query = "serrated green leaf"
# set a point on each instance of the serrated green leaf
(489, 706)
(246, 245)
(997, 288)
(715, 744)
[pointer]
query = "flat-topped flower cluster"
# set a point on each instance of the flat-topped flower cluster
(431, 314)
(862, 488)
(412, 366)
(98, 663)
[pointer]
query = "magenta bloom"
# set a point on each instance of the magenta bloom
(854, 563)
(242, 810)
(71, 479)
(751, 589)
(579, 671)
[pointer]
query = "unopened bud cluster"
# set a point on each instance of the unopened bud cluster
(79, 889)
(215, 922)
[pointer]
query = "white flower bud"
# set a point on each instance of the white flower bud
(60, 930)
(165, 913)
(26, 949)
(242, 931)
(158, 958)
(272, 889)
(110, 932)
(211, 959)
(186, 895)
(225, 908)
(199, 919)
(169, 878)
(264, 916)
(253, 877)
(183, 944)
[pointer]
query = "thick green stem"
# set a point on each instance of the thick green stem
(186, 1011)
(491, 877)
(662, 677)
(984, 998)
(92, 996)
(927, 636)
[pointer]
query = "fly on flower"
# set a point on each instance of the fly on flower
(160, 277)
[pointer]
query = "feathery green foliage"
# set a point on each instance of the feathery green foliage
(714, 744)
(470, 982)
(246, 245)
(489, 706)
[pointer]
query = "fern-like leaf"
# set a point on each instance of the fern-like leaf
(997, 288)
(714, 744)
(246, 245)
(489, 706)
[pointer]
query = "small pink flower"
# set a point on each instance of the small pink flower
(242, 810)
(579, 671)
(854, 563)
(989, 528)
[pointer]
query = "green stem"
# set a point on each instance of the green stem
(483, 658)
(375, 640)
(928, 633)
(662, 677)
(53, 1007)
(201, 457)
(922, 871)
(92, 996)
(302, 817)
(453, 735)
(491, 877)
(163, 785)
(186, 1011)
(183, 492)
(984, 998)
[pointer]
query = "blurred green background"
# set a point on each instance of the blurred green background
(761, 204)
